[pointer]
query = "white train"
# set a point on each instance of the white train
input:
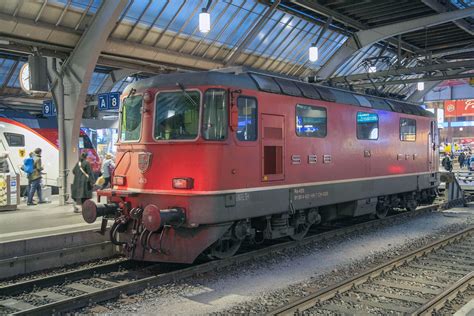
(19, 140)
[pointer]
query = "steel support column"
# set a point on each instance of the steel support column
(365, 38)
(74, 77)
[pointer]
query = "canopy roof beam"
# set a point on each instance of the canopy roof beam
(366, 38)
(404, 71)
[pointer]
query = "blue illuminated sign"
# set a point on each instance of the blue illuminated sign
(103, 101)
(114, 100)
(108, 101)
(49, 108)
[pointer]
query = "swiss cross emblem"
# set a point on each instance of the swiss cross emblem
(144, 160)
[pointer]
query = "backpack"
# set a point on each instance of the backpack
(28, 165)
(444, 161)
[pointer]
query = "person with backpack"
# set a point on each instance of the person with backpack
(27, 168)
(35, 178)
(447, 163)
(81, 189)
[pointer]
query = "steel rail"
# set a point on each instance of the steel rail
(17, 288)
(330, 292)
(439, 301)
(50, 253)
(131, 287)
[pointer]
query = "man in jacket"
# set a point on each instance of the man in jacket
(107, 169)
(35, 178)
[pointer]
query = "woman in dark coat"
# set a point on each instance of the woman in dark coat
(83, 181)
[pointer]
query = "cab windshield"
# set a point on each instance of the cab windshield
(131, 118)
(177, 115)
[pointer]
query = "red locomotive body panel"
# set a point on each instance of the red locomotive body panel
(230, 185)
(211, 164)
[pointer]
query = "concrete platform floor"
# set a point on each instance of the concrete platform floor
(41, 220)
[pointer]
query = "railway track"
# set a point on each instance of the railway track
(418, 283)
(77, 289)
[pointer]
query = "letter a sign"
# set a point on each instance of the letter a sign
(103, 101)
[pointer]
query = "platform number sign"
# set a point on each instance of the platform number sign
(108, 101)
(49, 108)
(103, 101)
(114, 100)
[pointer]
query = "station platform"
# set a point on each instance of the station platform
(47, 236)
(41, 220)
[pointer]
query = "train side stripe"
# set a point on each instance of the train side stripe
(275, 187)
(2, 119)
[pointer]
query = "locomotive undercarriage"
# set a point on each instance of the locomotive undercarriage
(170, 239)
(296, 225)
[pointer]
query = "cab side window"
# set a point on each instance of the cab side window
(247, 119)
(367, 126)
(214, 121)
(15, 140)
(311, 121)
(407, 130)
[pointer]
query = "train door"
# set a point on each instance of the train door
(432, 147)
(273, 147)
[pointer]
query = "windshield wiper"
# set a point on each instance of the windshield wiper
(186, 94)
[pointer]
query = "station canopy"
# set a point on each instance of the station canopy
(161, 36)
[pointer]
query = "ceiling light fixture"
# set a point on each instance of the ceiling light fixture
(205, 19)
(313, 53)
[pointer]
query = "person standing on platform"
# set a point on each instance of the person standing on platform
(461, 159)
(28, 167)
(35, 178)
(83, 183)
(447, 163)
(108, 167)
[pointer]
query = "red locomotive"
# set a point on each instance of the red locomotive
(206, 160)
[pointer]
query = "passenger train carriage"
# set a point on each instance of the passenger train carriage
(208, 160)
(21, 134)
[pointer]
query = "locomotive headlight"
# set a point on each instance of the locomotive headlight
(183, 183)
(147, 97)
(119, 180)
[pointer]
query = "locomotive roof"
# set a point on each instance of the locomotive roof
(279, 85)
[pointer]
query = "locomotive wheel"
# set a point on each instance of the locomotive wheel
(224, 248)
(411, 205)
(300, 231)
(382, 212)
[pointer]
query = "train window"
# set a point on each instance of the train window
(214, 120)
(407, 130)
(15, 140)
(247, 121)
(131, 118)
(311, 121)
(266, 83)
(345, 97)
(367, 126)
(362, 100)
(177, 115)
(288, 87)
(85, 142)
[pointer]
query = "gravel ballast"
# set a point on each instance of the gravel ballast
(261, 285)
